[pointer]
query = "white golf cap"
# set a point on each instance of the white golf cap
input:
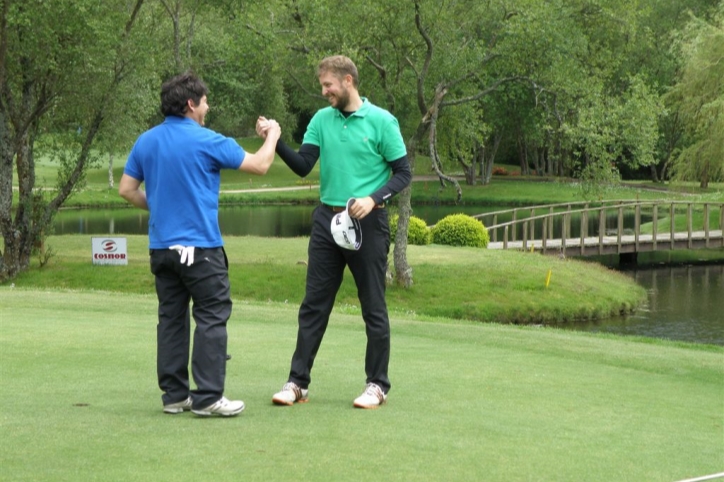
(346, 230)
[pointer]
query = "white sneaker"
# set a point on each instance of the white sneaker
(291, 393)
(372, 397)
(224, 407)
(178, 407)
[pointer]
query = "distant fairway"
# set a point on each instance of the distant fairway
(469, 401)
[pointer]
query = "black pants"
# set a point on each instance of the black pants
(327, 262)
(206, 282)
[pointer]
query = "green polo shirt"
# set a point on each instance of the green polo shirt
(354, 152)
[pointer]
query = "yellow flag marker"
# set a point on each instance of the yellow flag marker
(548, 278)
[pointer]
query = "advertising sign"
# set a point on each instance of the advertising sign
(109, 251)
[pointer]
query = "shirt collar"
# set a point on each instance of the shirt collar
(361, 112)
(179, 119)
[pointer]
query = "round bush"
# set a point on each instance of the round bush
(417, 231)
(460, 230)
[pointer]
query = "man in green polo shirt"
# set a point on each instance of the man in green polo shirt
(363, 163)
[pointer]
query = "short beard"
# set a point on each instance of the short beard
(343, 101)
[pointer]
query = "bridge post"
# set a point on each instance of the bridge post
(601, 228)
(672, 224)
(706, 223)
(584, 230)
(619, 227)
(637, 225)
(656, 222)
(532, 225)
(689, 224)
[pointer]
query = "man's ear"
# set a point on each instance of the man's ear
(190, 105)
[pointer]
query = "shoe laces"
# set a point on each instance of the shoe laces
(294, 388)
(374, 390)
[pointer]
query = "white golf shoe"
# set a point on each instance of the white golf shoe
(290, 394)
(223, 407)
(178, 407)
(372, 397)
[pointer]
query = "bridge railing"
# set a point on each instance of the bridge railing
(591, 221)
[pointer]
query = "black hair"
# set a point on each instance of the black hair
(176, 92)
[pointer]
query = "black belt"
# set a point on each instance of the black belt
(339, 209)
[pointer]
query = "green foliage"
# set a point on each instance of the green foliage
(597, 179)
(460, 230)
(417, 231)
(699, 99)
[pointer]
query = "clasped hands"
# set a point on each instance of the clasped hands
(264, 126)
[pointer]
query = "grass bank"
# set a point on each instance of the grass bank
(450, 282)
(469, 401)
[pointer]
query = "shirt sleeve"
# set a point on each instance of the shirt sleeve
(392, 143)
(133, 167)
(401, 178)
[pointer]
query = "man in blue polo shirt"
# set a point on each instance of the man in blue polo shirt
(180, 162)
(363, 163)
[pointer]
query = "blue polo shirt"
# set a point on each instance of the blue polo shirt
(180, 162)
(354, 151)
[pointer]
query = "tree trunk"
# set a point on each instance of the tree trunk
(403, 271)
(7, 270)
(654, 173)
(110, 170)
(487, 157)
(523, 155)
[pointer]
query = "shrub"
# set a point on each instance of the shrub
(417, 231)
(499, 171)
(460, 230)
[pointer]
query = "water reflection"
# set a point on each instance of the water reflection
(685, 303)
(292, 221)
(266, 221)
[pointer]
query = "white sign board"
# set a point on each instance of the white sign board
(109, 251)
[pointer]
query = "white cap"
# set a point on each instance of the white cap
(346, 230)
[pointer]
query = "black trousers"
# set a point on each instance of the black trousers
(206, 282)
(325, 270)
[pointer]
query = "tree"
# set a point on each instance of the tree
(698, 97)
(61, 64)
(653, 57)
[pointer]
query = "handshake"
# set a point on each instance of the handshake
(264, 126)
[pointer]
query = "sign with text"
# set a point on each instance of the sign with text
(109, 251)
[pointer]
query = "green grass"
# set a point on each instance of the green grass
(451, 282)
(511, 190)
(469, 401)
(663, 224)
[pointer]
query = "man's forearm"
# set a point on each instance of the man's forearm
(137, 198)
(302, 162)
(130, 189)
(401, 178)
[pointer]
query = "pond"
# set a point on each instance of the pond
(685, 302)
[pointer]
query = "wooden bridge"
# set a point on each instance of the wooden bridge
(609, 227)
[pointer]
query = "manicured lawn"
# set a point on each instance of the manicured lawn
(469, 401)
